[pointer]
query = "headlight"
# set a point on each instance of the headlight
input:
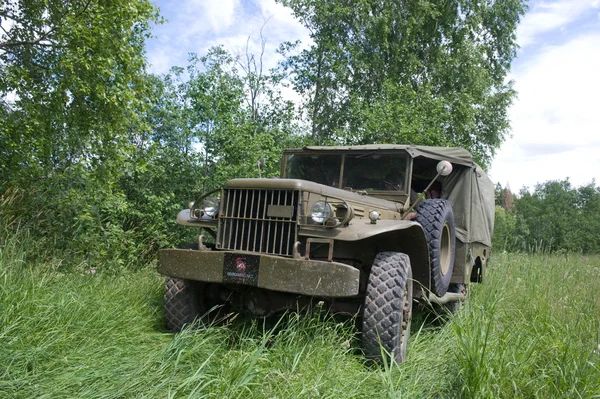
(210, 208)
(210, 211)
(321, 211)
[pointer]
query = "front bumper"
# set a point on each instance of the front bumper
(299, 276)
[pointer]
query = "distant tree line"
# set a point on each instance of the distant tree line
(97, 155)
(553, 217)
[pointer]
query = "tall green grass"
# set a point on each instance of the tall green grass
(531, 331)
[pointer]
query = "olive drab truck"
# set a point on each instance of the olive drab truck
(364, 229)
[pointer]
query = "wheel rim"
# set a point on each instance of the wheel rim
(445, 249)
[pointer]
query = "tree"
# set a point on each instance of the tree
(423, 72)
(559, 217)
(498, 194)
(73, 90)
(588, 203)
(71, 73)
(237, 117)
(507, 198)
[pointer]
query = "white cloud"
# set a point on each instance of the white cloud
(218, 15)
(196, 25)
(6, 24)
(544, 17)
(160, 60)
(556, 119)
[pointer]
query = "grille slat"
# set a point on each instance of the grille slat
(250, 229)
(256, 224)
(268, 234)
(245, 224)
(236, 213)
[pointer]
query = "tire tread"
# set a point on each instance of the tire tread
(432, 216)
(181, 303)
(384, 303)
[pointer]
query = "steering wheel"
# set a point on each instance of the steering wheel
(391, 186)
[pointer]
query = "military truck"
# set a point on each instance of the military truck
(364, 229)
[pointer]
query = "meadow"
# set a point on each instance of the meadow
(532, 330)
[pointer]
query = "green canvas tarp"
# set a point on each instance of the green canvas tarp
(468, 188)
(471, 193)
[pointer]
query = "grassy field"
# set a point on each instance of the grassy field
(531, 331)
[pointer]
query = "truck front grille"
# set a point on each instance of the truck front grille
(258, 221)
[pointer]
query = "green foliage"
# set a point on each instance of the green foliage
(233, 133)
(504, 228)
(96, 156)
(554, 217)
(71, 74)
(74, 70)
(423, 72)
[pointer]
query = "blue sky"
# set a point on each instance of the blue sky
(555, 120)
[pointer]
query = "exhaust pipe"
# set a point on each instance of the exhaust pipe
(449, 297)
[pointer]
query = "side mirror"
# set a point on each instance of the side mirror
(444, 168)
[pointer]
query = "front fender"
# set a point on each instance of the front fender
(184, 219)
(384, 236)
(358, 229)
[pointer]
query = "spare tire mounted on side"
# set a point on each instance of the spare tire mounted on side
(437, 219)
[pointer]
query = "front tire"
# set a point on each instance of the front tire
(437, 219)
(387, 311)
(182, 302)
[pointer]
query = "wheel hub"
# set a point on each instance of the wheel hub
(445, 250)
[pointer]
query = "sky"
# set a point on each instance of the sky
(555, 121)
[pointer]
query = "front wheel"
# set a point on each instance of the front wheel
(387, 311)
(183, 302)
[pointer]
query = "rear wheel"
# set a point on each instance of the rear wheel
(387, 311)
(437, 219)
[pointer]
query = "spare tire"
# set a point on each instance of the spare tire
(437, 219)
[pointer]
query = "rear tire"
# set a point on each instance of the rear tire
(387, 311)
(437, 219)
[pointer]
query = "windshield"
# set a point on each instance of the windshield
(362, 170)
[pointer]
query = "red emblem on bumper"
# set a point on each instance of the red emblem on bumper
(240, 265)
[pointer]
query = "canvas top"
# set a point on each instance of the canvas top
(452, 154)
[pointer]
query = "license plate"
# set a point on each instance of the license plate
(241, 269)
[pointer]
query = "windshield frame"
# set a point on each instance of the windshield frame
(407, 176)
